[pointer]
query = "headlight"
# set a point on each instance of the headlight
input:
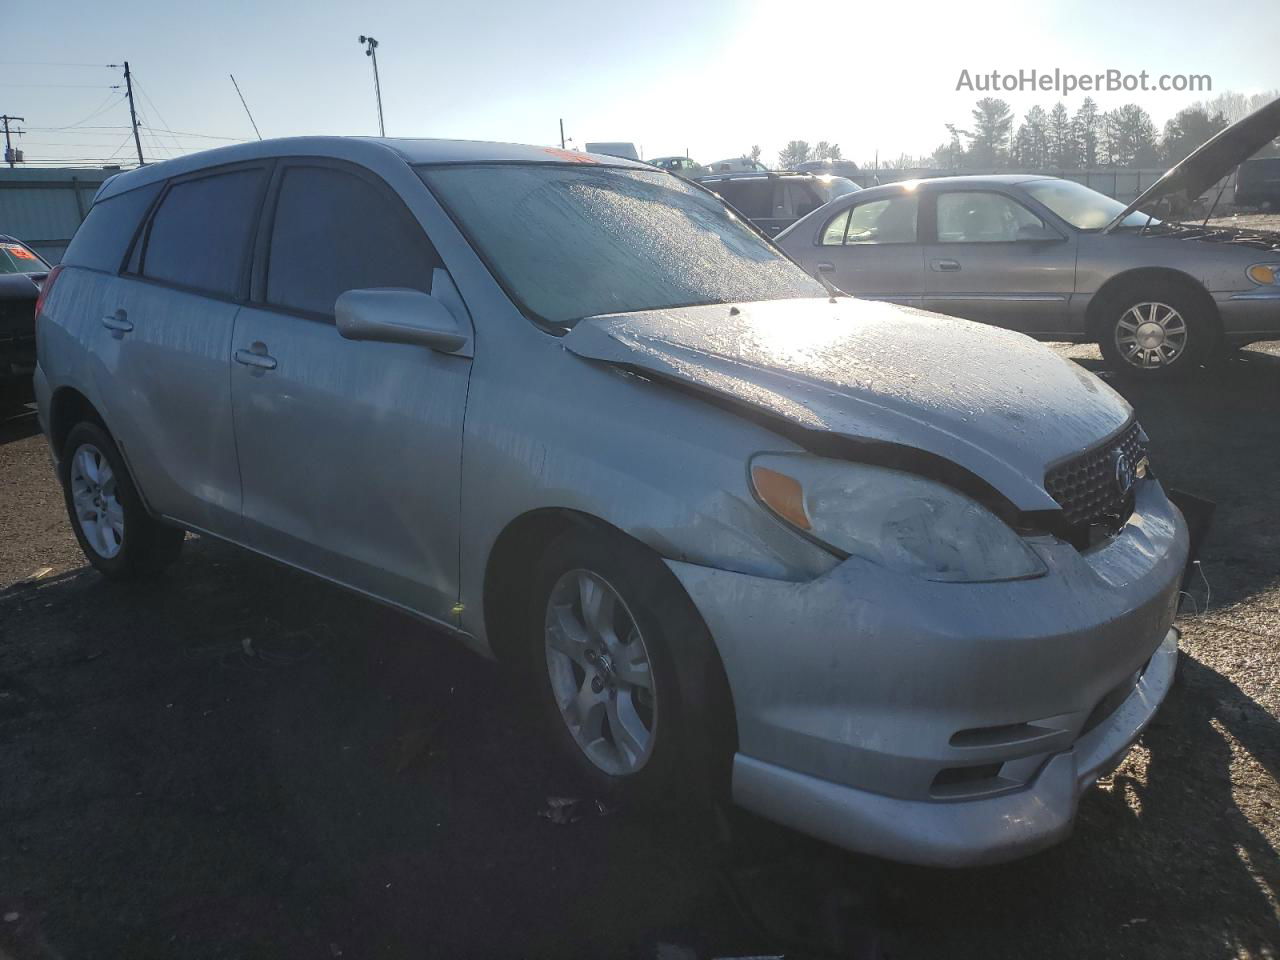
(896, 520)
(1267, 274)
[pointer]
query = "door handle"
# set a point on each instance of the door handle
(827, 267)
(118, 322)
(258, 360)
(945, 266)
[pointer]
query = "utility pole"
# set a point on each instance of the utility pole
(8, 147)
(371, 50)
(562, 133)
(133, 113)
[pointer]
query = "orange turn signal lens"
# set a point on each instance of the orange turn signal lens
(1264, 273)
(782, 494)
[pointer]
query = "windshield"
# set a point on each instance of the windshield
(1081, 207)
(15, 258)
(573, 242)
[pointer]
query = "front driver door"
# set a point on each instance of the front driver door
(997, 262)
(350, 452)
(871, 249)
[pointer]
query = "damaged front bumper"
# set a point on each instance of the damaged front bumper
(959, 833)
(946, 724)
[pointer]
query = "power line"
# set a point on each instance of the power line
(203, 136)
(50, 63)
(101, 108)
(62, 86)
(118, 126)
(157, 110)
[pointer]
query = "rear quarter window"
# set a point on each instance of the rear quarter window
(105, 235)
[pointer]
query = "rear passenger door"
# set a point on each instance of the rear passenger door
(164, 332)
(871, 249)
(350, 452)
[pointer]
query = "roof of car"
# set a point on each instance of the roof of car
(969, 180)
(412, 151)
(752, 175)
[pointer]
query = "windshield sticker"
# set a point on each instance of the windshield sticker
(22, 253)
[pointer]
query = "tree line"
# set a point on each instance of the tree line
(1058, 139)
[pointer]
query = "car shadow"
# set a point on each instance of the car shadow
(18, 424)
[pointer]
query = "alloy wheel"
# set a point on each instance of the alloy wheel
(1150, 335)
(97, 504)
(600, 672)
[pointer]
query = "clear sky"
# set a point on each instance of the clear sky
(709, 76)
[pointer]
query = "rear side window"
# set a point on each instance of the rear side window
(335, 231)
(892, 220)
(107, 231)
(753, 198)
(199, 235)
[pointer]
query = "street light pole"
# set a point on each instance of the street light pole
(371, 50)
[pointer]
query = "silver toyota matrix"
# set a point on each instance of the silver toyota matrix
(900, 581)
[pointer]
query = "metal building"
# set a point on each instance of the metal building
(43, 208)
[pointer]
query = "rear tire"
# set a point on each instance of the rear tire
(630, 686)
(1155, 334)
(119, 538)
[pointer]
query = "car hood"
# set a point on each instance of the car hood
(995, 403)
(1213, 159)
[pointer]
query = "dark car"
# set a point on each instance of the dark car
(772, 201)
(834, 168)
(1258, 183)
(22, 272)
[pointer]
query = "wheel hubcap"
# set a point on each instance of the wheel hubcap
(94, 496)
(600, 673)
(1151, 335)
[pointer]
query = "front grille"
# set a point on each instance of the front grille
(1086, 486)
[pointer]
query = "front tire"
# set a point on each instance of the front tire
(630, 686)
(118, 537)
(1152, 334)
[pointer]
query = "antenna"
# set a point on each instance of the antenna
(243, 104)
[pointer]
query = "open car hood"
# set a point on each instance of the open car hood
(1212, 160)
(994, 403)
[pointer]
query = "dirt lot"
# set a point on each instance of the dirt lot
(355, 786)
(1250, 221)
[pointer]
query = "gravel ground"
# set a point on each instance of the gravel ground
(1249, 221)
(359, 787)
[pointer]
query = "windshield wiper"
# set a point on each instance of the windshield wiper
(832, 290)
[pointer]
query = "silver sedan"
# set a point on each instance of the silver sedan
(1052, 258)
(901, 581)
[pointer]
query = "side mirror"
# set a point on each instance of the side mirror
(1038, 234)
(395, 315)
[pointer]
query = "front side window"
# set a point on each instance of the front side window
(334, 231)
(984, 218)
(891, 220)
(199, 235)
(577, 241)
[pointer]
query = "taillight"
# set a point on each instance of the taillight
(46, 287)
